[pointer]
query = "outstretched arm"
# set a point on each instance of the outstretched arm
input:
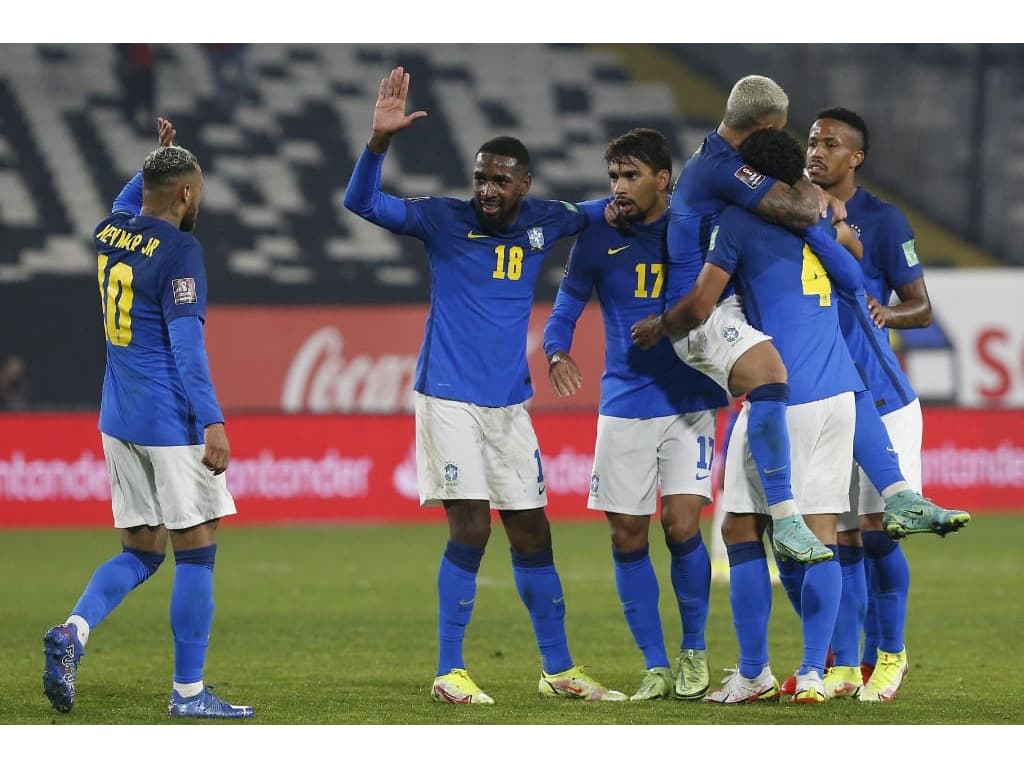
(363, 195)
(130, 198)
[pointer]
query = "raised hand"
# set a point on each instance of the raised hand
(389, 115)
(165, 132)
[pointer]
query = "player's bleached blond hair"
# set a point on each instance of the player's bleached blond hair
(753, 99)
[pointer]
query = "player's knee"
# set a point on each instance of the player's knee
(680, 528)
(150, 560)
(629, 533)
(737, 529)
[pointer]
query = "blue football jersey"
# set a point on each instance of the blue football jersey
(890, 262)
(150, 273)
(788, 295)
(890, 256)
(628, 272)
(877, 363)
(482, 285)
(713, 177)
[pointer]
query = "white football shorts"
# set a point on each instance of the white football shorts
(905, 427)
(163, 485)
(467, 451)
(633, 456)
(821, 453)
(714, 346)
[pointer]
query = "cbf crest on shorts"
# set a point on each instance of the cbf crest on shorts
(731, 334)
(595, 481)
(536, 235)
(451, 474)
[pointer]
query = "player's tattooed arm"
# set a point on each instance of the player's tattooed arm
(797, 206)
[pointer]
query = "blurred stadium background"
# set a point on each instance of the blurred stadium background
(316, 316)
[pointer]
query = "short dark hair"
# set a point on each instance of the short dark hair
(166, 164)
(774, 153)
(507, 146)
(644, 144)
(852, 119)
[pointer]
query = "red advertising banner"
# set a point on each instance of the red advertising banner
(358, 359)
(318, 469)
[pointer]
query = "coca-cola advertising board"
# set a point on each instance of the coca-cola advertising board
(363, 359)
(358, 359)
(357, 468)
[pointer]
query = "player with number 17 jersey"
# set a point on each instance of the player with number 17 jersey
(628, 273)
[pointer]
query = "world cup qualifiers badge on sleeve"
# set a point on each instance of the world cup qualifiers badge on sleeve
(750, 176)
(184, 290)
(536, 235)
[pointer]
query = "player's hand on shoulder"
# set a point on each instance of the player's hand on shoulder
(217, 450)
(647, 332)
(827, 202)
(564, 374)
(165, 132)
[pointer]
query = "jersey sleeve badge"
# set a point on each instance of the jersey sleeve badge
(910, 253)
(536, 236)
(184, 289)
(750, 176)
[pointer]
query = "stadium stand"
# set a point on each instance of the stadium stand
(273, 225)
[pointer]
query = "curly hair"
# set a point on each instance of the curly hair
(166, 164)
(774, 153)
(644, 144)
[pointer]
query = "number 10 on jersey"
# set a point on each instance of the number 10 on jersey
(116, 297)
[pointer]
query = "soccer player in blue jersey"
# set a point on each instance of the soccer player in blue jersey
(162, 429)
(787, 293)
(838, 145)
(736, 355)
(475, 444)
(656, 422)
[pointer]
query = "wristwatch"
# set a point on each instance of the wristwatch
(555, 359)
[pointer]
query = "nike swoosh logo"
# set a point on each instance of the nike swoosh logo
(465, 602)
(557, 600)
(613, 251)
(703, 477)
(773, 471)
(540, 490)
(475, 235)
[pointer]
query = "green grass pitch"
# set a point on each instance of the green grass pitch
(336, 625)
